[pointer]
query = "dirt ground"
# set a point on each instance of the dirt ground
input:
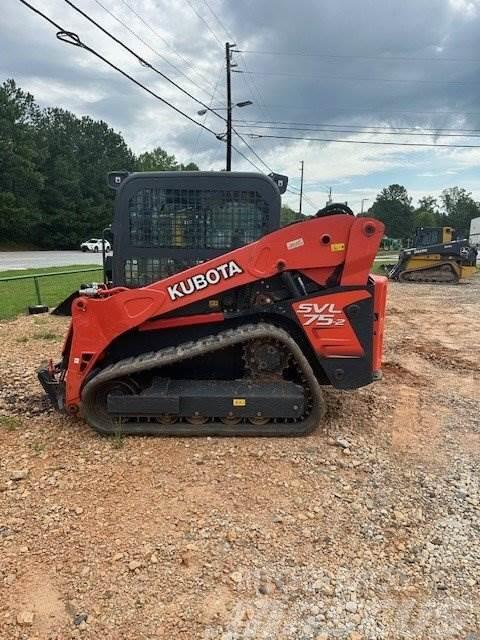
(369, 528)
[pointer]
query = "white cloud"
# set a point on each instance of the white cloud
(468, 8)
(409, 95)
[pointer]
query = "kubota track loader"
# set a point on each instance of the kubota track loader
(240, 344)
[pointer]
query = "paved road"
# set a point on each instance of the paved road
(34, 259)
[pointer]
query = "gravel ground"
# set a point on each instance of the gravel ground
(368, 529)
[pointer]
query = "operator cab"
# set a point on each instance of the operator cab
(428, 236)
(165, 222)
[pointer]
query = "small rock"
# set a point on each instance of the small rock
(134, 564)
(117, 557)
(236, 577)
(322, 636)
(79, 511)
(344, 444)
(186, 558)
(25, 618)
(231, 536)
(80, 618)
(19, 474)
(154, 558)
(266, 588)
(351, 607)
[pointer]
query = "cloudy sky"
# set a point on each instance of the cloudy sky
(341, 65)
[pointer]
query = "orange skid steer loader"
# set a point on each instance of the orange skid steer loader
(238, 344)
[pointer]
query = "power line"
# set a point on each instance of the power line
(357, 126)
(247, 159)
(357, 56)
(138, 37)
(230, 35)
(138, 56)
(396, 144)
(222, 25)
(199, 15)
(285, 74)
(253, 86)
(142, 61)
(210, 110)
(296, 192)
(158, 35)
(73, 39)
(383, 133)
(373, 109)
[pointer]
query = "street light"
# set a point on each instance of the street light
(363, 200)
(245, 103)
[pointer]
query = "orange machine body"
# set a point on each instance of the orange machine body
(342, 321)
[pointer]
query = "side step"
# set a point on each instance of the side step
(211, 398)
(51, 387)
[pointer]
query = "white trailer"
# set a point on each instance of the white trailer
(474, 237)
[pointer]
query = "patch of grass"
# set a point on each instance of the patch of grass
(45, 335)
(10, 423)
(38, 447)
(117, 439)
(17, 295)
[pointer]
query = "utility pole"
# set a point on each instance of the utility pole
(301, 187)
(329, 201)
(363, 200)
(228, 59)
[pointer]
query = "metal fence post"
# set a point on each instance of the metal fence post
(37, 290)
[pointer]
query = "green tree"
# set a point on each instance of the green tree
(20, 149)
(160, 160)
(393, 206)
(76, 201)
(459, 208)
(427, 214)
(287, 215)
(53, 168)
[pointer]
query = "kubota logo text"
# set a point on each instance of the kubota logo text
(204, 280)
(320, 315)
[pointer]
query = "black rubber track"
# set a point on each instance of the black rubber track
(93, 406)
(437, 274)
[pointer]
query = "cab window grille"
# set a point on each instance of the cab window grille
(194, 219)
(142, 271)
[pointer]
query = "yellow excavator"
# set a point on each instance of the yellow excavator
(436, 257)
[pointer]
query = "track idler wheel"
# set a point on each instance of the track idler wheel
(197, 420)
(231, 420)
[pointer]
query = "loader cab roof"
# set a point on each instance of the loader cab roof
(120, 179)
(167, 221)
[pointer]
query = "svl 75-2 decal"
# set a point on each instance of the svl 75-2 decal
(320, 315)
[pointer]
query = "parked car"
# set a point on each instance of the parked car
(95, 245)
